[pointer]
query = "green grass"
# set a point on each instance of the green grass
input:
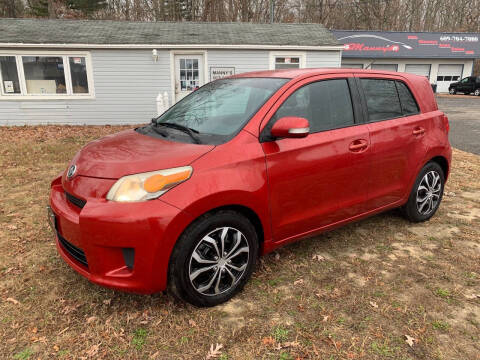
(139, 338)
(440, 325)
(24, 354)
(280, 334)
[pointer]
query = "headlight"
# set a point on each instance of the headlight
(146, 186)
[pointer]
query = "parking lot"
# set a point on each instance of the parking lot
(464, 114)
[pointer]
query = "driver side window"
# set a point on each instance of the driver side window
(325, 104)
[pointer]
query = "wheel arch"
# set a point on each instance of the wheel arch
(443, 162)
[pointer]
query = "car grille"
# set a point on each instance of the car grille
(74, 251)
(75, 201)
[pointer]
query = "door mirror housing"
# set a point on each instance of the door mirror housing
(290, 127)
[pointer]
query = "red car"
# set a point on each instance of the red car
(242, 166)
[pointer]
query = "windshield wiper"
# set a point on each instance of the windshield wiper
(183, 128)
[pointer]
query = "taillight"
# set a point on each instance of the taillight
(446, 124)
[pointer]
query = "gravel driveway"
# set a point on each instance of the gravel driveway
(463, 111)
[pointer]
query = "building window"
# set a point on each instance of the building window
(284, 62)
(45, 76)
(287, 60)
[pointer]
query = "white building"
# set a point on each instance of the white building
(111, 72)
(442, 57)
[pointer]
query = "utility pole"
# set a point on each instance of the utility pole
(272, 11)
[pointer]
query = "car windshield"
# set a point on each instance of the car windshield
(221, 108)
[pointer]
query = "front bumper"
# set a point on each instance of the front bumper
(106, 231)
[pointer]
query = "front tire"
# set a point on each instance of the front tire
(426, 194)
(213, 259)
(477, 92)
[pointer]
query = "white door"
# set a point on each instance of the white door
(189, 74)
(418, 69)
(446, 75)
(388, 67)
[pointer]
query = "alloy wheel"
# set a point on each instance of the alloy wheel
(477, 92)
(218, 261)
(452, 91)
(428, 192)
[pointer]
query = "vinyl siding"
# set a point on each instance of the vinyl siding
(127, 83)
(241, 60)
(321, 59)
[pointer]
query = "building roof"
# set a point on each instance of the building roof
(107, 32)
(397, 44)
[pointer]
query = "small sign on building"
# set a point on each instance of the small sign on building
(221, 72)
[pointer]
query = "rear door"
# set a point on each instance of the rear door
(320, 179)
(397, 134)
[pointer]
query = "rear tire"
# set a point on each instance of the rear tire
(477, 92)
(213, 259)
(452, 91)
(426, 195)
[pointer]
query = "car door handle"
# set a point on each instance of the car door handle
(358, 145)
(418, 131)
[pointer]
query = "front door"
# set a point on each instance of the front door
(321, 179)
(189, 74)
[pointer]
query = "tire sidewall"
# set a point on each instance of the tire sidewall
(180, 261)
(411, 207)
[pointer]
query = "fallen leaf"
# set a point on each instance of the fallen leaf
(409, 340)
(13, 301)
(268, 340)
(192, 323)
(214, 352)
(91, 319)
(318, 257)
(277, 256)
(374, 304)
(56, 348)
(298, 282)
(93, 350)
(11, 227)
(325, 318)
(473, 296)
(107, 302)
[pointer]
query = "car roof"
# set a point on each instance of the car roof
(302, 73)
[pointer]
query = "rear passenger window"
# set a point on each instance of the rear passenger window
(409, 106)
(325, 104)
(382, 99)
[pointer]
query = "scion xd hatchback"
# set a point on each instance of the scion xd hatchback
(244, 165)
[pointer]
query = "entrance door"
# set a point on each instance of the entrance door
(446, 75)
(189, 74)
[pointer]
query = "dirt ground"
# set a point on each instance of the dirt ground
(381, 288)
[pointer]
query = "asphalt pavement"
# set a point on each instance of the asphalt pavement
(463, 112)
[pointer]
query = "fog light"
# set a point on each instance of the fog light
(128, 257)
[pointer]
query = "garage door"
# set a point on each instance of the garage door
(389, 67)
(446, 75)
(418, 69)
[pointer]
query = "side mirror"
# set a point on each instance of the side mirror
(290, 127)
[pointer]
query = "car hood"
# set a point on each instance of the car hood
(129, 152)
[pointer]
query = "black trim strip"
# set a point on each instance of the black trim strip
(74, 251)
